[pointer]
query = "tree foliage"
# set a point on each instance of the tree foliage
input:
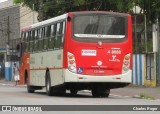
(51, 8)
(149, 7)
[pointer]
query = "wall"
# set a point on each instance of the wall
(6, 3)
(27, 16)
(12, 19)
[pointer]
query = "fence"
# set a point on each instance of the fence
(144, 69)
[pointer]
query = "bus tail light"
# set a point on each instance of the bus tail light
(71, 63)
(126, 63)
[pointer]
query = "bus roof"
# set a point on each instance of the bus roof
(64, 16)
(105, 12)
(44, 22)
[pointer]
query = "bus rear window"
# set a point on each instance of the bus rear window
(99, 26)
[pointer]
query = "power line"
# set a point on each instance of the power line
(9, 13)
(17, 18)
(54, 7)
(22, 15)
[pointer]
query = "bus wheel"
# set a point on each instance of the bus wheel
(29, 88)
(49, 89)
(73, 91)
(105, 93)
(95, 92)
(98, 92)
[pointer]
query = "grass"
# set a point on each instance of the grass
(145, 96)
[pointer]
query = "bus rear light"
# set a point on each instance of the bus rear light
(127, 57)
(126, 63)
(71, 63)
(118, 78)
(70, 57)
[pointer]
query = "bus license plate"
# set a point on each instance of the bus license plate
(99, 71)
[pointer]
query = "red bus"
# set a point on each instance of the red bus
(87, 50)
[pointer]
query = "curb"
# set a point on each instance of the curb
(11, 85)
(136, 96)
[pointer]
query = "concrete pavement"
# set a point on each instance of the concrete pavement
(138, 91)
(130, 91)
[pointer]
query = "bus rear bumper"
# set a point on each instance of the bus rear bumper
(123, 78)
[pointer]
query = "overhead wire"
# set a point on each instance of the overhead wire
(54, 6)
(15, 14)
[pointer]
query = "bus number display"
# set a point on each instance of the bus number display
(114, 51)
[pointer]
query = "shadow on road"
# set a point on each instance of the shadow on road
(80, 94)
(67, 95)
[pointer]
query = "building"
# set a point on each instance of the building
(5, 3)
(13, 17)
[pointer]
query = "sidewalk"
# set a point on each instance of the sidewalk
(4, 82)
(127, 91)
(137, 91)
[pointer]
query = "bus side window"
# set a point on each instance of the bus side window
(29, 39)
(36, 40)
(22, 35)
(52, 36)
(40, 41)
(63, 33)
(58, 38)
(47, 28)
(31, 35)
(27, 43)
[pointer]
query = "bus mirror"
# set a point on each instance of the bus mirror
(68, 18)
(19, 50)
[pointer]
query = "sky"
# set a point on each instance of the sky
(3, 0)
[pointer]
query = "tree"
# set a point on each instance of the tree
(51, 8)
(151, 8)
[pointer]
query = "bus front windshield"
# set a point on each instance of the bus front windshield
(99, 26)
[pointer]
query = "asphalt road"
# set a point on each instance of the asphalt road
(19, 96)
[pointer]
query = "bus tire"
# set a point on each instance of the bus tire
(29, 88)
(73, 91)
(105, 93)
(49, 89)
(95, 92)
(100, 92)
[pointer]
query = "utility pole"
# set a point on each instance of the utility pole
(8, 30)
(33, 13)
(8, 42)
(1, 34)
(40, 12)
